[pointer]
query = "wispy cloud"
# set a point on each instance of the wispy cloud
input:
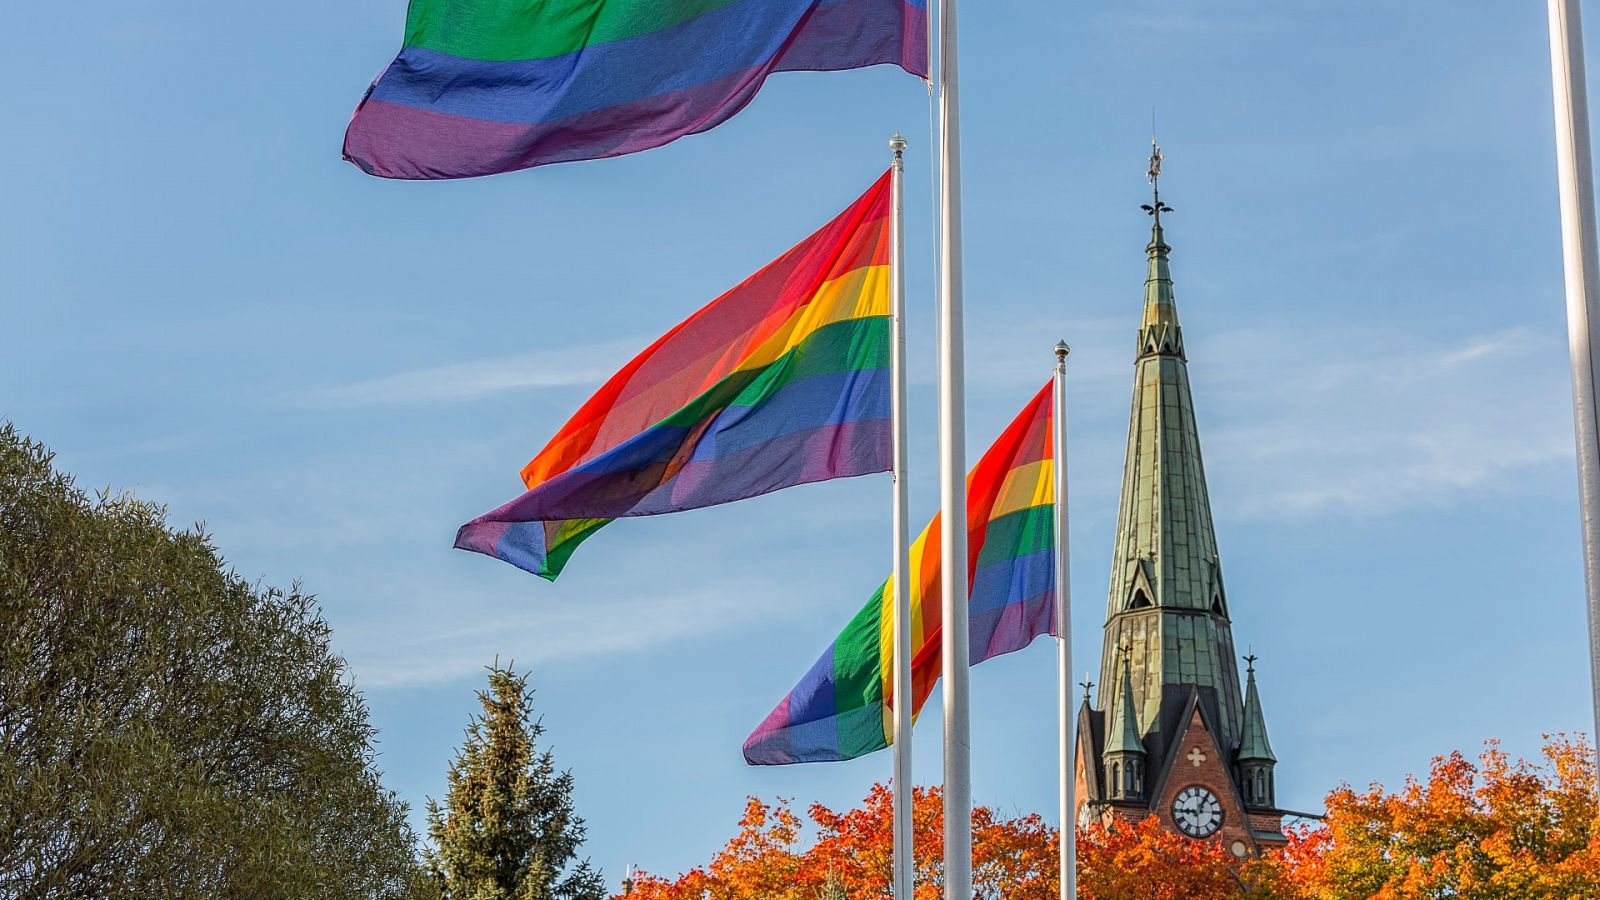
(555, 367)
(1386, 428)
(397, 653)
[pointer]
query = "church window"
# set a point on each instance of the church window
(1140, 601)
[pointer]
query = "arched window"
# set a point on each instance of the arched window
(1140, 601)
(1116, 777)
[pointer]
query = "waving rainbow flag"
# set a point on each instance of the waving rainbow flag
(486, 86)
(843, 707)
(781, 381)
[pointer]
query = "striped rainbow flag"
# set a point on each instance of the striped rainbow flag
(486, 86)
(843, 707)
(781, 381)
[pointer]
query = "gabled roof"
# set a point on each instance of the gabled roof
(1191, 706)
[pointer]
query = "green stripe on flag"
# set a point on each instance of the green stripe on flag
(1018, 534)
(540, 29)
(858, 680)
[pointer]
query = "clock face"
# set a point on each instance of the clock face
(1197, 812)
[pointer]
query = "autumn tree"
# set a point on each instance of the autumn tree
(166, 728)
(1016, 858)
(1146, 861)
(1490, 829)
(507, 829)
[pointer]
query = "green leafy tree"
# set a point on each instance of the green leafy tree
(507, 830)
(167, 729)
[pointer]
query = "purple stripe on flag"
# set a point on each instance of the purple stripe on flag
(1009, 628)
(841, 450)
(392, 136)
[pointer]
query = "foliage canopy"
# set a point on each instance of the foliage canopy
(166, 729)
(1497, 829)
(1490, 829)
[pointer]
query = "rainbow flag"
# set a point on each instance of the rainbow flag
(781, 381)
(486, 86)
(843, 707)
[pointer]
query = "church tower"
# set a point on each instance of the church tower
(1171, 733)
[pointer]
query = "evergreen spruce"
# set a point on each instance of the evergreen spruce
(507, 830)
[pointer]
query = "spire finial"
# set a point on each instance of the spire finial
(1250, 658)
(1153, 175)
(1086, 684)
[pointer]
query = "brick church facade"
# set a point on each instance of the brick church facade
(1172, 732)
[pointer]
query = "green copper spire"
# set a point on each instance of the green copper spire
(1122, 735)
(1253, 746)
(1166, 598)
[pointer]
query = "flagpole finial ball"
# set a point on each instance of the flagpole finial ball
(897, 143)
(1062, 349)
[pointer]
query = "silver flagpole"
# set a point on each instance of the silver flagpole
(952, 479)
(904, 861)
(1068, 775)
(1576, 176)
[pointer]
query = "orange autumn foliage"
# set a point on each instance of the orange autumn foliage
(1490, 829)
(1148, 862)
(1013, 858)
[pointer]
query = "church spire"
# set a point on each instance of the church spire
(1166, 599)
(1170, 705)
(1123, 734)
(1255, 757)
(1124, 754)
(1253, 745)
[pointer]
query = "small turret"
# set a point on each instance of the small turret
(1125, 752)
(1255, 753)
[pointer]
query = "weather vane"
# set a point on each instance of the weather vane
(1250, 659)
(1153, 175)
(1086, 684)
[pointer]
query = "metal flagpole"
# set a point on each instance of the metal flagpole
(904, 862)
(1576, 175)
(952, 479)
(1068, 775)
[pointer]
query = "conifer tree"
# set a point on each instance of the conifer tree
(507, 830)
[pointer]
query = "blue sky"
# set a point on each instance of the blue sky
(203, 304)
